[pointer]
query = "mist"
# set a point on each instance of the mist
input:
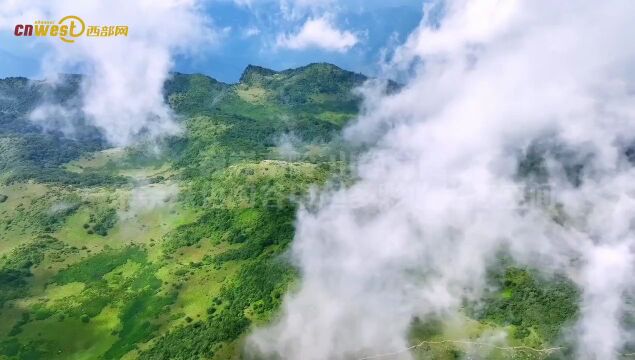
(145, 198)
(121, 93)
(438, 195)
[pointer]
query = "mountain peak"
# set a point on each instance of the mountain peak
(253, 73)
(318, 66)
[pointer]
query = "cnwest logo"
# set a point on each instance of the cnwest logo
(68, 28)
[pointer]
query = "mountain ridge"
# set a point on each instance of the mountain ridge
(249, 69)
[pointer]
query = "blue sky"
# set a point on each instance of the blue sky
(277, 34)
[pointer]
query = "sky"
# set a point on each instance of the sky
(276, 34)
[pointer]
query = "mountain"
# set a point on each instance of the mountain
(319, 90)
(316, 97)
(107, 252)
(176, 253)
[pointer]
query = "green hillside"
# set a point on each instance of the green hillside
(174, 254)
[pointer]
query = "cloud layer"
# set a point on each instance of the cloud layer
(438, 194)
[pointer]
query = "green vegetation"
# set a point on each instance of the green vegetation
(95, 267)
(102, 222)
(531, 305)
(258, 286)
(529, 309)
(125, 281)
(91, 270)
(15, 268)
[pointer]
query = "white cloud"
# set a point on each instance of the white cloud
(438, 196)
(145, 198)
(318, 33)
(251, 31)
